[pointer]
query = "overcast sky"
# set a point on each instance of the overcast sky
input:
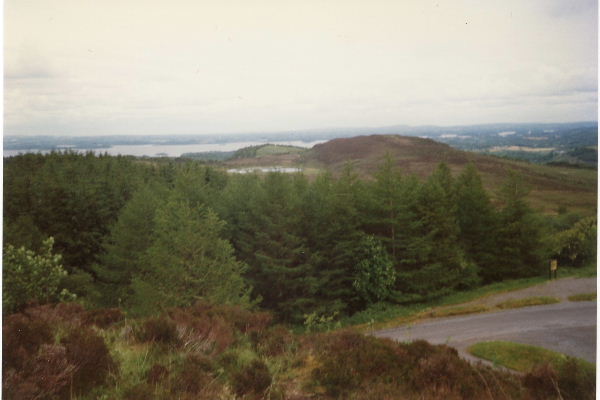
(157, 67)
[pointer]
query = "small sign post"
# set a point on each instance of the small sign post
(553, 268)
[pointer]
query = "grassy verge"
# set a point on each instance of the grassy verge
(526, 302)
(588, 271)
(386, 315)
(583, 297)
(521, 357)
(457, 310)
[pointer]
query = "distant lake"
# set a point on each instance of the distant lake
(167, 150)
(250, 170)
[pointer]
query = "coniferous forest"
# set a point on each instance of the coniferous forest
(197, 267)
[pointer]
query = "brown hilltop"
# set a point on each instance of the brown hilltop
(551, 187)
(366, 153)
(413, 155)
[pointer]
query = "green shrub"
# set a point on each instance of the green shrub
(28, 277)
(576, 246)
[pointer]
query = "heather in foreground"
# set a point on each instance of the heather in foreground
(208, 351)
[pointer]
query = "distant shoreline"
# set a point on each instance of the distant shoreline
(162, 150)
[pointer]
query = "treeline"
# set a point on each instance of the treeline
(149, 235)
(580, 157)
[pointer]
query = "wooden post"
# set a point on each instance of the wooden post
(553, 268)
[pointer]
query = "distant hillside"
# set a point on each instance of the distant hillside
(413, 154)
(551, 186)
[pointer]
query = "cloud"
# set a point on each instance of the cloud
(568, 9)
(199, 67)
(28, 62)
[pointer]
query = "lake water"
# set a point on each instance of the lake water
(250, 170)
(154, 150)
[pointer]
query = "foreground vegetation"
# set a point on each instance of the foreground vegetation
(167, 276)
(226, 352)
(574, 378)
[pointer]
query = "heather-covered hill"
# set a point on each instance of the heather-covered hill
(551, 186)
(414, 155)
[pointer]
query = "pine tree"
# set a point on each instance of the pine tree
(439, 266)
(124, 248)
(265, 226)
(386, 205)
(331, 225)
(188, 260)
(477, 222)
(519, 235)
(282, 270)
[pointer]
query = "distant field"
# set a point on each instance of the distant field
(266, 150)
(271, 149)
(521, 148)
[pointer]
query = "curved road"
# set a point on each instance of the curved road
(568, 327)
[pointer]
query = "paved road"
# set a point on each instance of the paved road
(568, 327)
